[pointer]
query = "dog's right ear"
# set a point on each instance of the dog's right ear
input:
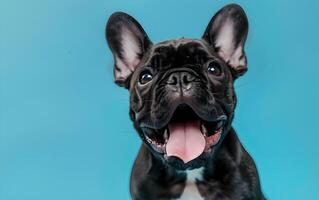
(128, 43)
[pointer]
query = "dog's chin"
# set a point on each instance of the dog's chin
(187, 141)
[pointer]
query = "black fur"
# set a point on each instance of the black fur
(229, 171)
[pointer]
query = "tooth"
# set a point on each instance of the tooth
(148, 139)
(203, 129)
(217, 138)
(219, 124)
(166, 135)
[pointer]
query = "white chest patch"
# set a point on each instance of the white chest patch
(191, 191)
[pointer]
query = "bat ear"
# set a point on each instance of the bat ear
(128, 43)
(227, 32)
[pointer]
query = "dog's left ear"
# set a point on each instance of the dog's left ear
(227, 32)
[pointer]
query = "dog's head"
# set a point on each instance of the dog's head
(182, 91)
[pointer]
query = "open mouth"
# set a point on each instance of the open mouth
(186, 136)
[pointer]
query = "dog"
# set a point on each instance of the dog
(182, 103)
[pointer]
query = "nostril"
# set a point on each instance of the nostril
(173, 80)
(187, 78)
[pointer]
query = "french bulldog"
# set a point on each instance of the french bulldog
(182, 103)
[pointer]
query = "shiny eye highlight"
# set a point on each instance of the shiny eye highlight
(214, 68)
(145, 77)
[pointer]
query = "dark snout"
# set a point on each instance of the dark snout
(178, 87)
(181, 82)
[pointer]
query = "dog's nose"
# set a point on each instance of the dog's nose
(181, 80)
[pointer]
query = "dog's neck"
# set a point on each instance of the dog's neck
(231, 164)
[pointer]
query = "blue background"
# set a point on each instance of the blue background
(64, 126)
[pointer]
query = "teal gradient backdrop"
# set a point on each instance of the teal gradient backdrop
(65, 132)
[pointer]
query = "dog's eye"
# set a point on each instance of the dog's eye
(214, 68)
(145, 77)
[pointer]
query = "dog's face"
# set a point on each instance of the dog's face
(182, 96)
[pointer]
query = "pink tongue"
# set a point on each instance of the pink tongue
(185, 141)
